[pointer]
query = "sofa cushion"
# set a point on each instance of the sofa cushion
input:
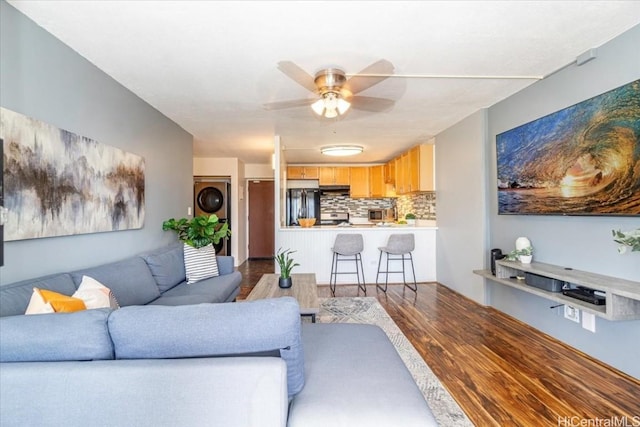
(15, 297)
(355, 378)
(227, 392)
(130, 280)
(200, 263)
(263, 326)
(166, 266)
(215, 289)
(225, 264)
(82, 335)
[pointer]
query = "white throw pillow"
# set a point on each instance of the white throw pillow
(200, 264)
(95, 294)
(37, 304)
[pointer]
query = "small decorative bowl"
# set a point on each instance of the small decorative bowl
(306, 222)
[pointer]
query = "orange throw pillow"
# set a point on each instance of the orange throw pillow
(61, 303)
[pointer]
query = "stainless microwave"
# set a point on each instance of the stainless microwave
(380, 215)
(377, 215)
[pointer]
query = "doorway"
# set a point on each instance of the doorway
(211, 196)
(261, 219)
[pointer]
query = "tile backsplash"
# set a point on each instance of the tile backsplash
(423, 205)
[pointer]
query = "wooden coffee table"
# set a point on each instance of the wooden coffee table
(304, 289)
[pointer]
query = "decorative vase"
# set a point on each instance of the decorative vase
(285, 283)
(526, 259)
(522, 243)
(411, 222)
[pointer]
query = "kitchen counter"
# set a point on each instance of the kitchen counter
(314, 253)
(423, 224)
(357, 227)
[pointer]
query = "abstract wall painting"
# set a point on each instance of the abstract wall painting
(57, 183)
(582, 160)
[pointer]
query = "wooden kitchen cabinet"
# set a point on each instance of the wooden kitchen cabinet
(402, 173)
(427, 167)
(390, 172)
(415, 170)
(377, 184)
(359, 182)
(302, 172)
(342, 176)
(330, 175)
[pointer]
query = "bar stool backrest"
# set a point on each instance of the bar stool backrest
(348, 244)
(400, 243)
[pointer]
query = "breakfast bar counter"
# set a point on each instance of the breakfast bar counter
(313, 250)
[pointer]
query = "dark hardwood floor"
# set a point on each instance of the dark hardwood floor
(501, 371)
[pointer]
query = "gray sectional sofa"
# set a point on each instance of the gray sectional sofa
(155, 277)
(240, 364)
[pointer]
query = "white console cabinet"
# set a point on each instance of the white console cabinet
(622, 296)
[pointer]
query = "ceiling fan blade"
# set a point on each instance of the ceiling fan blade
(288, 104)
(368, 103)
(383, 69)
(297, 74)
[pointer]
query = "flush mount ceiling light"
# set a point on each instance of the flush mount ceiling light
(341, 150)
(330, 105)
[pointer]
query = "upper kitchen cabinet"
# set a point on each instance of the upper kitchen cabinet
(359, 182)
(415, 170)
(427, 167)
(334, 175)
(302, 172)
(377, 182)
(402, 169)
(390, 172)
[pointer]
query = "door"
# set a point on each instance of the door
(261, 219)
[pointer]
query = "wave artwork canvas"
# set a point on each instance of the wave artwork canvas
(57, 183)
(582, 160)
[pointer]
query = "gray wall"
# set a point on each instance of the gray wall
(42, 78)
(583, 243)
(461, 206)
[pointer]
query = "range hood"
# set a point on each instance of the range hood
(334, 189)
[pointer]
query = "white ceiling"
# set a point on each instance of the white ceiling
(211, 65)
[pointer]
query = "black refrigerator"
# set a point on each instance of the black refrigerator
(303, 203)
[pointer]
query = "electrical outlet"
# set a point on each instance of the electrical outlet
(189, 211)
(572, 313)
(589, 321)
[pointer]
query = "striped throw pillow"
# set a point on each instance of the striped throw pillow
(200, 264)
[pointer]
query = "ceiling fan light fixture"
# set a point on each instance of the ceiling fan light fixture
(341, 150)
(318, 107)
(343, 105)
(330, 105)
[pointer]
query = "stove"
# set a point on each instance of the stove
(334, 218)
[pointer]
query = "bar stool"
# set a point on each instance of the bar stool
(347, 247)
(398, 248)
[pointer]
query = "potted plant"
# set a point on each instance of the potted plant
(286, 264)
(626, 239)
(524, 255)
(411, 218)
(199, 231)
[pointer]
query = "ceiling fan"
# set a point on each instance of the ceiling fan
(335, 92)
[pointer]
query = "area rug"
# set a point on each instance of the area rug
(368, 310)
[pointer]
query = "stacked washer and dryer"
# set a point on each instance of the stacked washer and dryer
(211, 196)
